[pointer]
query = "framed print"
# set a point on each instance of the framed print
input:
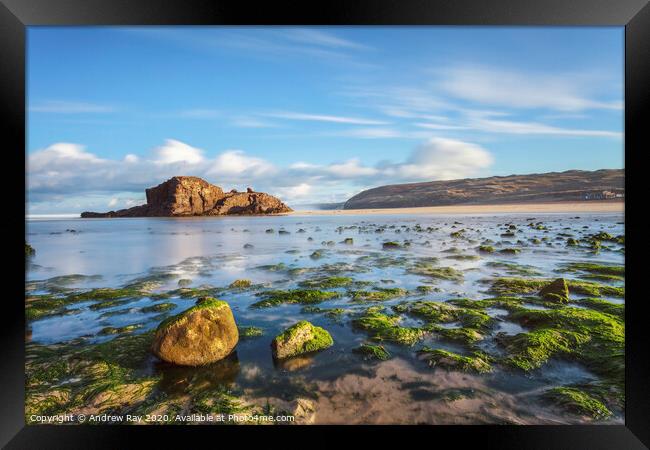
(361, 216)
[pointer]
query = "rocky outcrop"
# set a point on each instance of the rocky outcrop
(183, 196)
(193, 196)
(572, 185)
(248, 203)
(300, 338)
(200, 335)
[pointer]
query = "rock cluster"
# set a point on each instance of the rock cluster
(207, 332)
(193, 196)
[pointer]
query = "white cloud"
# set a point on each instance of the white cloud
(439, 126)
(372, 133)
(498, 87)
(174, 151)
(236, 164)
(296, 192)
(66, 171)
(62, 155)
(441, 159)
(350, 169)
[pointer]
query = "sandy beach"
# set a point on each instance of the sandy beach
(550, 207)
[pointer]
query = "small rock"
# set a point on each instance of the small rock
(557, 291)
(302, 337)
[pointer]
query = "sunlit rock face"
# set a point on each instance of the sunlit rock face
(193, 196)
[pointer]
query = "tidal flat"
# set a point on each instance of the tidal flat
(435, 319)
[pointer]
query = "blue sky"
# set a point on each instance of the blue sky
(312, 114)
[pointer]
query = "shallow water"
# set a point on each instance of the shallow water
(211, 251)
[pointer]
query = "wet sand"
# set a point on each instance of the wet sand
(550, 207)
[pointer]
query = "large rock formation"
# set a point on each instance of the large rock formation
(200, 335)
(192, 196)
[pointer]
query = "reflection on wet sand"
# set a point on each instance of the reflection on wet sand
(176, 379)
(394, 392)
(294, 363)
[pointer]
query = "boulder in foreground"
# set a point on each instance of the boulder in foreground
(192, 196)
(200, 335)
(300, 338)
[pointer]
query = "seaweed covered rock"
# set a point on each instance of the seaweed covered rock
(557, 291)
(200, 335)
(302, 337)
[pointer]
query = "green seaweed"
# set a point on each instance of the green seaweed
(528, 351)
(530, 285)
(159, 307)
(382, 327)
(578, 401)
(443, 273)
(600, 269)
(293, 296)
(371, 351)
(443, 312)
(605, 306)
(250, 332)
(240, 284)
(514, 268)
(378, 294)
(510, 251)
(327, 282)
(477, 362)
(202, 303)
(595, 338)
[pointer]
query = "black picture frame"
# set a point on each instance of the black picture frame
(634, 15)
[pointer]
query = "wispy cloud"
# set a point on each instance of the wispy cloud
(322, 38)
(200, 113)
(516, 89)
(251, 122)
(534, 128)
(265, 43)
(324, 118)
(70, 107)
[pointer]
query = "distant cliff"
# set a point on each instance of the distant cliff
(193, 196)
(573, 185)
